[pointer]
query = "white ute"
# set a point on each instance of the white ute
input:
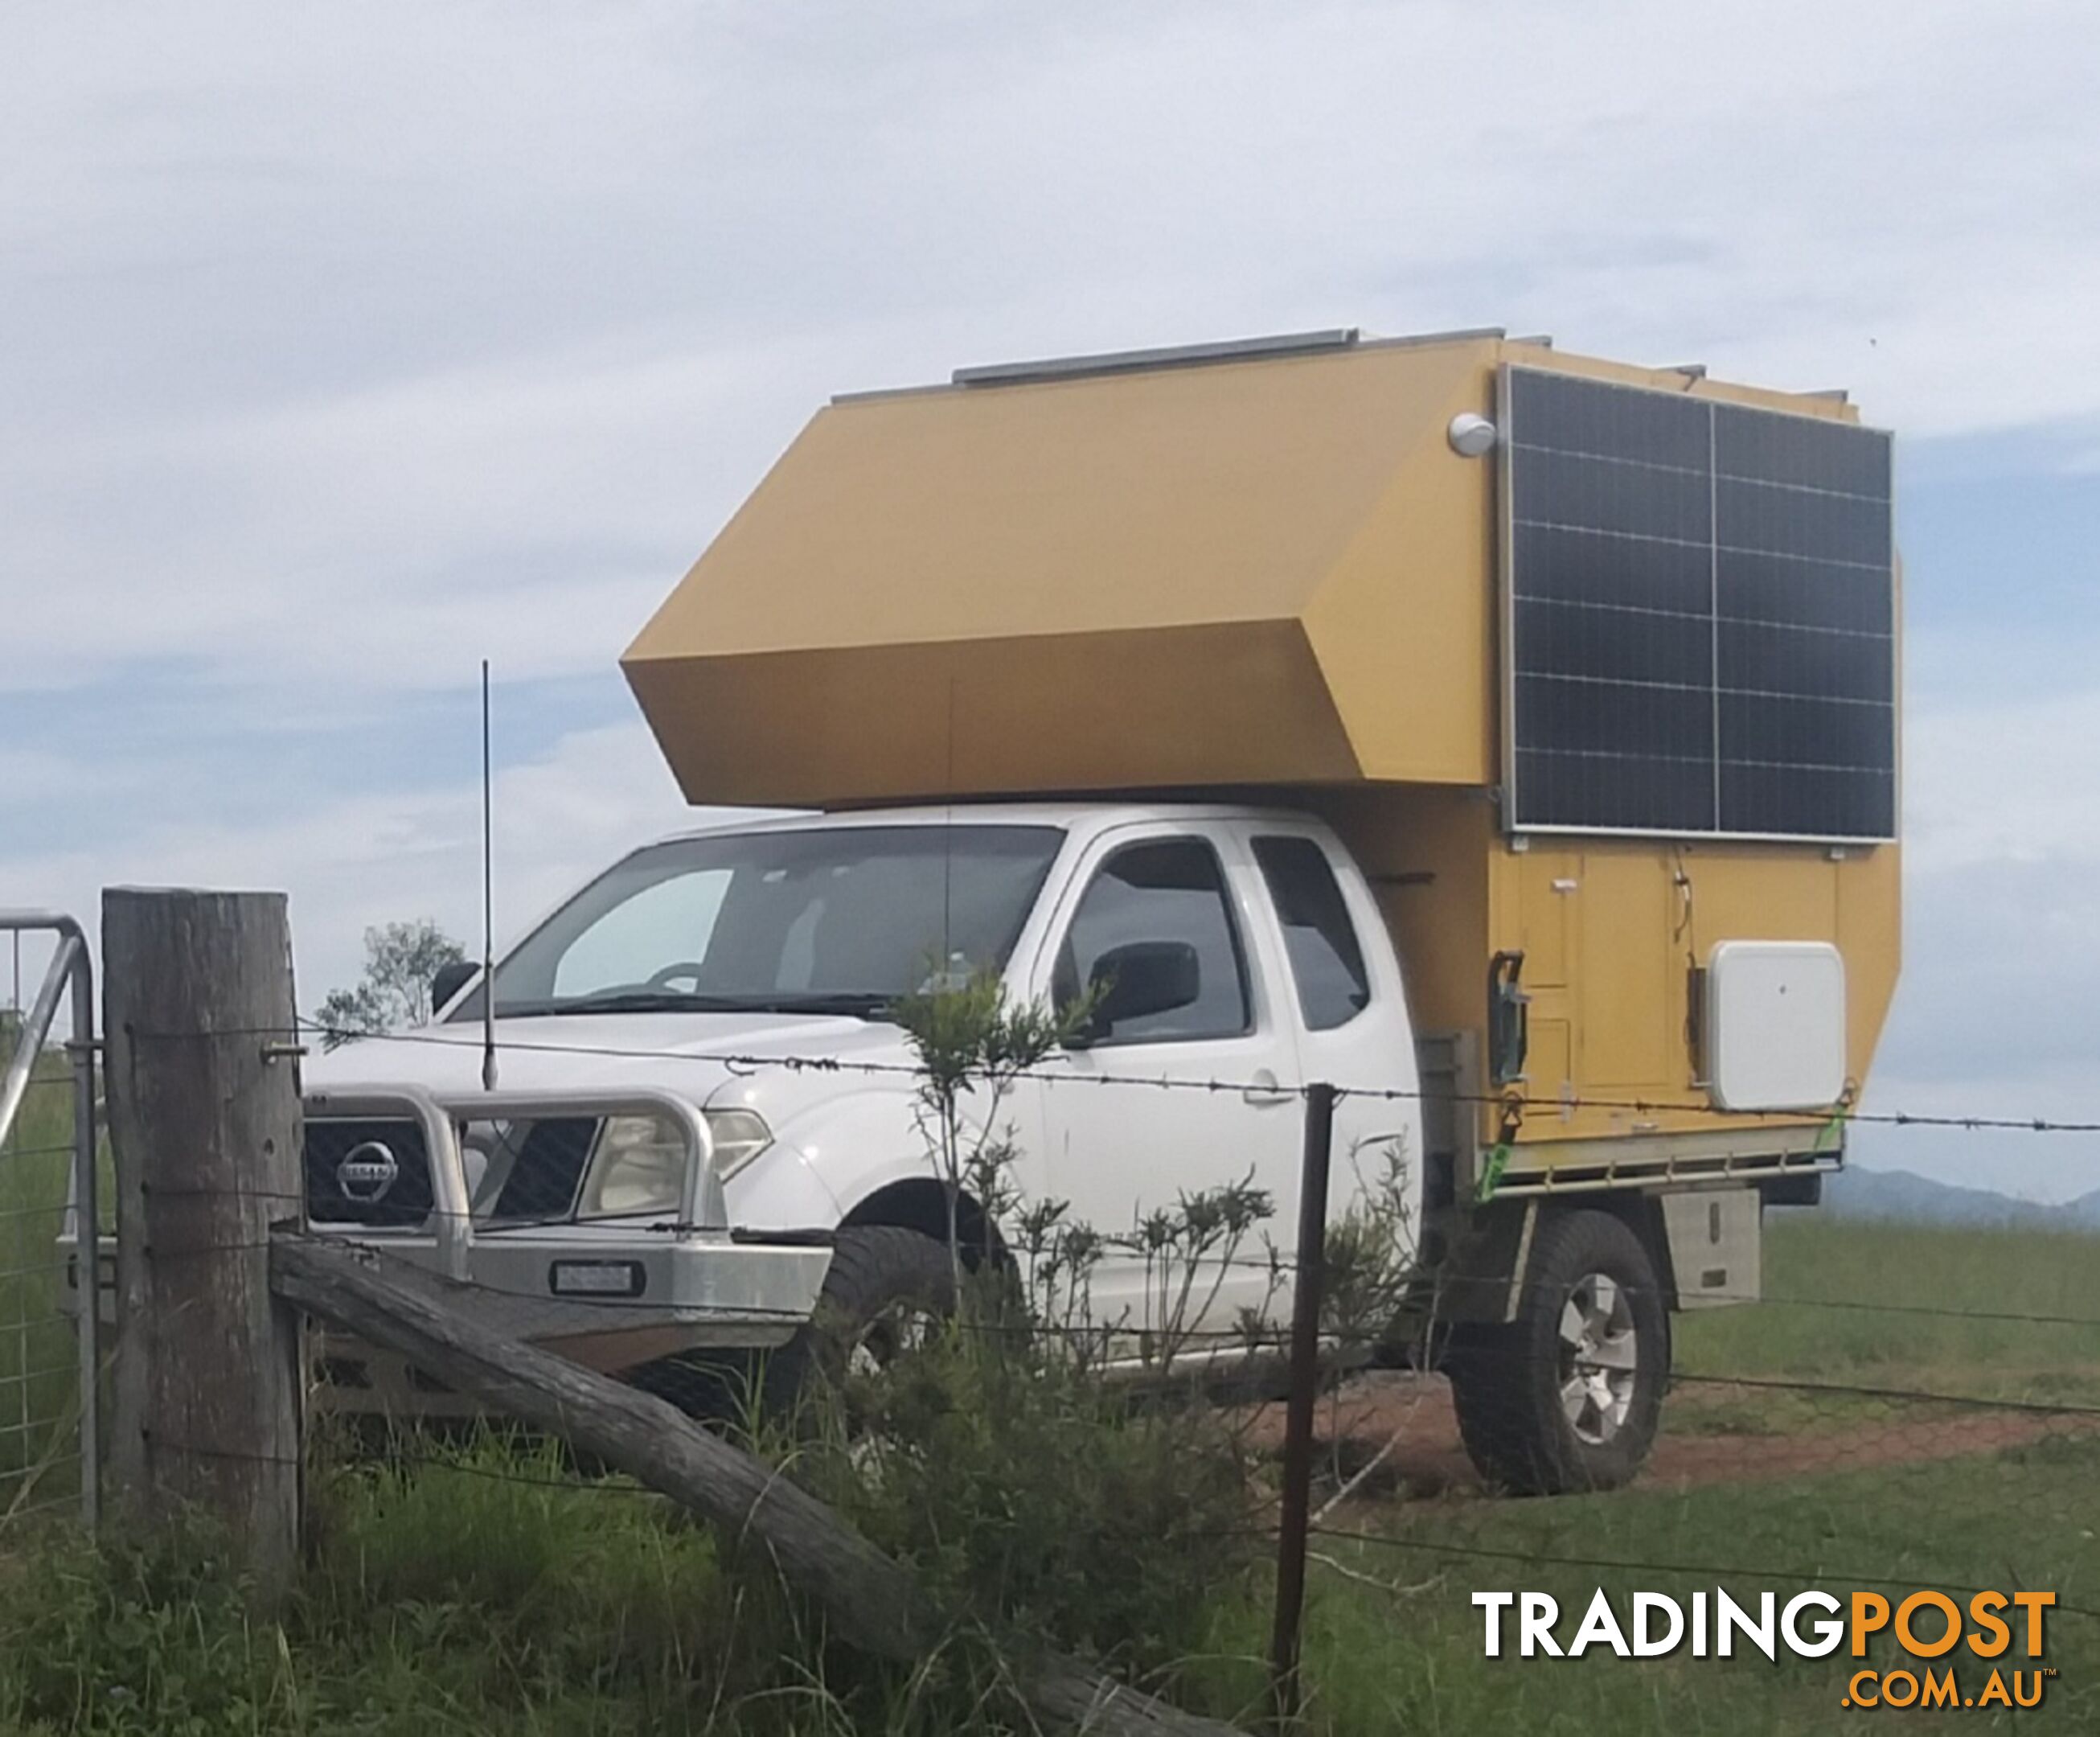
(699, 1097)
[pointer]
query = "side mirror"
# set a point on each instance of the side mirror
(1139, 979)
(448, 980)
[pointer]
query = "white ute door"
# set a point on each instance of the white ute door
(1166, 913)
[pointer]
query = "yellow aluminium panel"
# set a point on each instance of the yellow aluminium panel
(1213, 705)
(1117, 534)
(1121, 530)
(1150, 500)
(1645, 914)
(1405, 625)
(1425, 848)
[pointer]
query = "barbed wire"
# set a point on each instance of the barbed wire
(1278, 1262)
(394, 1453)
(2079, 1415)
(1446, 1547)
(755, 1062)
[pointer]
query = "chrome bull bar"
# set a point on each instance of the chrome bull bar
(694, 1283)
(440, 1116)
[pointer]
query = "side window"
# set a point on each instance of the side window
(1155, 921)
(1326, 960)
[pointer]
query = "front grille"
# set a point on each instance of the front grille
(376, 1172)
(541, 1167)
(372, 1173)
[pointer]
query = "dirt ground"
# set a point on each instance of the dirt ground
(1353, 1424)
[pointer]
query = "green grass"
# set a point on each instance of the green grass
(499, 1596)
(1920, 1494)
(37, 1384)
(458, 1601)
(2024, 1518)
(489, 1588)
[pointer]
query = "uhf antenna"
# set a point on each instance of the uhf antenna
(948, 853)
(488, 898)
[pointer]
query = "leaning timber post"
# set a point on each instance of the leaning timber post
(202, 1078)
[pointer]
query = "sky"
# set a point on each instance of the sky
(342, 347)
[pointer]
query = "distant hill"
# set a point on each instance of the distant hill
(1856, 1193)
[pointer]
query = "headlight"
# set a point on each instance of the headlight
(637, 1167)
(739, 1136)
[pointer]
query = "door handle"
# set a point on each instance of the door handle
(1265, 1088)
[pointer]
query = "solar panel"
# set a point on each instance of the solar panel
(1701, 627)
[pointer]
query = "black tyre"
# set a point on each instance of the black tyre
(1567, 1396)
(885, 1284)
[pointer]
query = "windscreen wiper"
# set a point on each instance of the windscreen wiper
(627, 1001)
(856, 1004)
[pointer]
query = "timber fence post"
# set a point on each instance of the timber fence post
(1296, 1504)
(202, 1079)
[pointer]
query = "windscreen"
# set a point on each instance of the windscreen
(848, 917)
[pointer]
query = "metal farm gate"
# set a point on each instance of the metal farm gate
(50, 1233)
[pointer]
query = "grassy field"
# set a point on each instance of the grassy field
(499, 1594)
(2007, 1315)
(2023, 1517)
(1820, 1482)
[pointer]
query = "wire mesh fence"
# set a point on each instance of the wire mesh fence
(1902, 1405)
(42, 1469)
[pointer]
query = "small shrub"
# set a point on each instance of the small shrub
(1034, 1500)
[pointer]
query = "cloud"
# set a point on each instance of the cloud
(31, 775)
(2002, 924)
(355, 862)
(329, 338)
(2009, 783)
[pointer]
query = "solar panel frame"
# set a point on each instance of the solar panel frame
(1738, 783)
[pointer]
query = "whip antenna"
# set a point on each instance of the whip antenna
(487, 900)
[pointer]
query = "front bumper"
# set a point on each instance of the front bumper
(610, 1296)
(689, 1297)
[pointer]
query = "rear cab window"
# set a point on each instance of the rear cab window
(1326, 958)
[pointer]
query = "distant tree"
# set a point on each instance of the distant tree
(400, 959)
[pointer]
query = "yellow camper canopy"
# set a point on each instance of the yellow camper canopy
(1237, 572)
(1268, 570)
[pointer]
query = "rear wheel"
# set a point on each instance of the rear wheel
(1567, 1396)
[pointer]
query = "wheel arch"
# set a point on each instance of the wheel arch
(1482, 1279)
(1641, 1213)
(920, 1204)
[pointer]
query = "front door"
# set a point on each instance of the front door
(1185, 1084)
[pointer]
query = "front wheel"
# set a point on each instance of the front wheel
(1568, 1396)
(886, 1288)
